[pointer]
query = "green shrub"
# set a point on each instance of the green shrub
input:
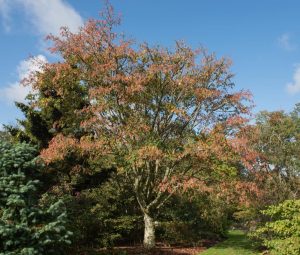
(117, 213)
(186, 220)
(102, 216)
(281, 231)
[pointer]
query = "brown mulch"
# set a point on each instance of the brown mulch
(156, 251)
(159, 250)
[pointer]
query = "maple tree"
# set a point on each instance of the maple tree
(158, 116)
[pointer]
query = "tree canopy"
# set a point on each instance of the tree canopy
(157, 115)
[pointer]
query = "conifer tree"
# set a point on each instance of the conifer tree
(25, 226)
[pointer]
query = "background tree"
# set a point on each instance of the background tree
(279, 144)
(277, 140)
(4, 136)
(26, 227)
(56, 112)
(275, 137)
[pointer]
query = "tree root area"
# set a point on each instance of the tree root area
(158, 250)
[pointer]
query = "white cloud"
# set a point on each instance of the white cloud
(285, 42)
(15, 91)
(294, 87)
(30, 65)
(46, 16)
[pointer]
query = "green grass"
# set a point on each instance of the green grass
(236, 244)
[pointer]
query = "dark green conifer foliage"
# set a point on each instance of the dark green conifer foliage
(25, 227)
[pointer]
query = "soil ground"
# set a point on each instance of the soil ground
(159, 250)
(237, 243)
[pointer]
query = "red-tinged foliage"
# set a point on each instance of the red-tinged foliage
(275, 171)
(160, 114)
(58, 148)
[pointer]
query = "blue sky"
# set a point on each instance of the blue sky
(262, 37)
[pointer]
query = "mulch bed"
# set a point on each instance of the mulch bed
(159, 250)
(156, 251)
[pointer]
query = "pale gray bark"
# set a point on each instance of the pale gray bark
(149, 233)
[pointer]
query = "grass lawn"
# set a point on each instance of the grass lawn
(236, 244)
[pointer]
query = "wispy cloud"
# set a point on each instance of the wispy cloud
(285, 42)
(294, 87)
(46, 16)
(15, 91)
(4, 13)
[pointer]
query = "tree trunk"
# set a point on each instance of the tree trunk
(149, 234)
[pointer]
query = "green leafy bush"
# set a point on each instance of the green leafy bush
(186, 220)
(102, 216)
(281, 231)
(117, 212)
